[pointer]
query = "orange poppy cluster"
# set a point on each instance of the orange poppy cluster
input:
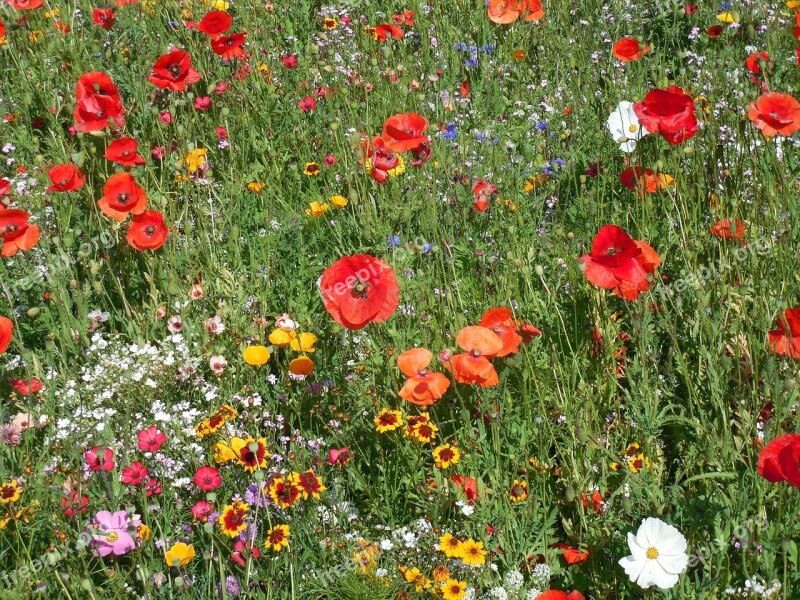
(504, 12)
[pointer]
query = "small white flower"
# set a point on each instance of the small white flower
(625, 127)
(658, 555)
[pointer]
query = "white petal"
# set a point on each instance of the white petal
(651, 574)
(666, 580)
(628, 146)
(673, 564)
(638, 551)
(633, 567)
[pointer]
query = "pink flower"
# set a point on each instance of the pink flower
(99, 458)
(166, 117)
(218, 364)
(159, 152)
(307, 104)
(290, 62)
(151, 439)
(202, 103)
(153, 487)
(135, 474)
(110, 533)
(202, 510)
(339, 456)
(207, 478)
(74, 504)
(222, 133)
(329, 160)
(222, 87)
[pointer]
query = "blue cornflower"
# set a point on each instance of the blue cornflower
(541, 126)
(472, 61)
(392, 241)
(450, 132)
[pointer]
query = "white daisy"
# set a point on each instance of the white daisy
(625, 127)
(658, 555)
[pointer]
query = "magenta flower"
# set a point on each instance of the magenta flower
(100, 459)
(151, 439)
(135, 474)
(110, 533)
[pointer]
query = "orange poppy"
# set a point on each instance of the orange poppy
(147, 231)
(785, 340)
(572, 555)
(628, 49)
(124, 151)
(722, 229)
(423, 387)
(229, 46)
(66, 178)
(501, 321)
(122, 195)
(405, 131)
(473, 366)
(16, 233)
(505, 12)
(775, 113)
(6, 328)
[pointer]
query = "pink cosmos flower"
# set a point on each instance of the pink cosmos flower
(110, 535)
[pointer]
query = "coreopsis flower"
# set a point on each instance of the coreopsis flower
(10, 491)
(658, 555)
(283, 491)
(625, 127)
(388, 420)
(472, 553)
(450, 545)
(311, 484)
(518, 491)
(179, 555)
(251, 453)
(445, 456)
(232, 519)
(277, 538)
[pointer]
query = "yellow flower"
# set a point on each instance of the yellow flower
(256, 355)
(399, 169)
(339, 201)
(450, 545)
(251, 453)
(793, 4)
(50, 14)
(277, 538)
(388, 420)
(304, 343)
(329, 23)
(311, 169)
(195, 159)
(518, 491)
(223, 453)
(34, 35)
(665, 181)
(423, 431)
(315, 209)
(10, 492)
(281, 338)
(232, 519)
(441, 574)
(367, 559)
(301, 365)
(218, 4)
(728, 17)
(256, 187)
(417, 579)
(179, 555)
(144, 532)
(472, 553)
(453, 589)
(639, 463)
(446, 455)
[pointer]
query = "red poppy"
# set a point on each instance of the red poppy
(66, 178)
(230, 46)
(669, 112)
(125, 152)
(572, 555)
(134, 474)
(529, 332)
(780, 460)
(5, 187)
(2, 29)
(714, 31)
(628, 49)
(147, 231)
(753, 62)
(104, 17)
(483, 192)
(15, 232)
(6, 329)
(620, 263)
(473, 366)
(26, 4)
(423, 387)
(383, 31)
(722, 229)
(504, 12)
(207, 478)
(380, 159)
(26, 388)
(501, 321)
(643, 181)
(775, 113)
(405, 131)
(122, 195)
(215, 23)
(785, 340)
(97, 103)
(173, 71)
(468, 484)
(559, 595)
(358, 290)
(796, 30)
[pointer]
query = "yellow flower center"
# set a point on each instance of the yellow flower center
(112, 536)
(652, 553)
(633, 128)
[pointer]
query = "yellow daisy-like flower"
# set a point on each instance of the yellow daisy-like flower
(179, 555)
(304, 342)
(399, 169)
(423, 431)
(223, 453)
(518, 491)
(450, 545)
(232, 519)
(388, 420)
(10, 492)
(278, 538)
(728, 17)
(217, 4)
(311, 169)
(446, 455)
(315, 209)
(251, 454)
(256, 355)
(281, 338)
(339, 201)
(472, 553)
(639, 463)
(35, 35)
(329, 23)
(256, 187)
(51, 14)
(227, 412)
(284, 491)
(441, 574)
(195, 159)
(367, 559)
(453, 589)
(534, 182)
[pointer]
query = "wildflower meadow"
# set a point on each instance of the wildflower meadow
(383, 299)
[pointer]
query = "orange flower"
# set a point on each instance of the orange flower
(501, 321)
(15, 232)
(147, 231)
(404, 132)
(508, 11)
(6, 328)
(723, 229)
(473, 366)
(628, 49)
(775, 113)
(423, 387)
(122, 195)
(572, 555)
